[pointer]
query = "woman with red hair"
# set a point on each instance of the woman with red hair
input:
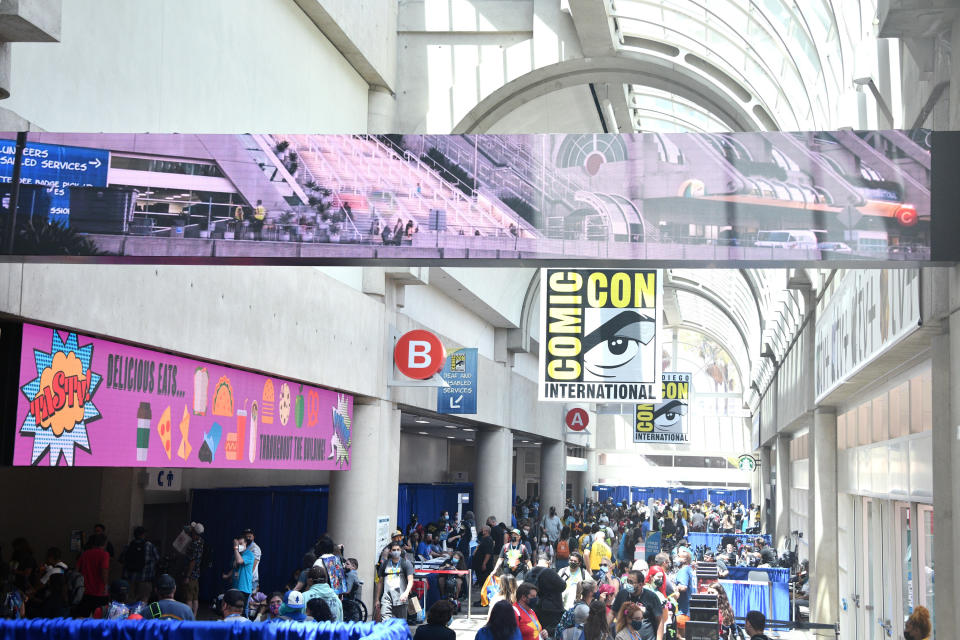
(653, 598)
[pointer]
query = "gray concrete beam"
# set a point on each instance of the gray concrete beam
(363, 31)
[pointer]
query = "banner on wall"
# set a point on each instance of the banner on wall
(703, 197)
(666, 421)
(56, 168)
(88, 402)
(868, 313)
(599, 336)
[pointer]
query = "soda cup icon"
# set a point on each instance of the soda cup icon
(143, 431)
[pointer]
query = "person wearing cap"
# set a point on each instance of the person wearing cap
(257, 553)
(166, 608)
(233, 604)
(242, 571)
(395, 537)
(293, 607)
(191, 585)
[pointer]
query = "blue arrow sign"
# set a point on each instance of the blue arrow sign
(58, 168)
(460, 373)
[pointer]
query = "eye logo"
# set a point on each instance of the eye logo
(60, 400)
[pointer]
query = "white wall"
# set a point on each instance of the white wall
(454, 53)
(216, 66)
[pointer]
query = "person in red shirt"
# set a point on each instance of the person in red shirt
(94, 566)
(530, 627)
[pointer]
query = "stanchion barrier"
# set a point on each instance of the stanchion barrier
(790, 625)
(458, 572)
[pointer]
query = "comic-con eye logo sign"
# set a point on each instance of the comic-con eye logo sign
(60, 400)
(598, 334)
(666, 421)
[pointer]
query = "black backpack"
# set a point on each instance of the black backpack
(135, 557)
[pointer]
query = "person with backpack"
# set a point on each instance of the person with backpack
(139, 559)
(562, 552)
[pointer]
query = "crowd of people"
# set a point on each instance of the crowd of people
(583, 574)
(152, 587)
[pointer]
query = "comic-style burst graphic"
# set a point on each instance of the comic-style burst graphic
(340, 443)
(60, 400)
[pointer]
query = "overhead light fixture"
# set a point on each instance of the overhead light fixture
(468, 429)
(421, 421)
(449, 426)
(450, 437)
(469, 439)
(423, 433)
(524, 441)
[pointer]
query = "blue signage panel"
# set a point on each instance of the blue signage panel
(652, 544)
(460, 372)
(58, 168)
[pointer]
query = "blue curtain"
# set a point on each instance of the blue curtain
(747, 597)
(428, 501)
(89, 629)
(730, 495)
(711, 540)
(774, 574)
(286, 521)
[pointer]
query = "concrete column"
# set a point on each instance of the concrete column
(592, 476)
(946, 465)
(381, 110)
(494, 474)
(824, 558)
(553, 476)
(954, 92)
(766, 514)
(368, 490)
(782, 492)
(121, 507)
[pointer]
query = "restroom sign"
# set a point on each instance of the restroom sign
(419, 354)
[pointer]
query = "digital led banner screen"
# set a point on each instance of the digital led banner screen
(688, 197)
(88, 402)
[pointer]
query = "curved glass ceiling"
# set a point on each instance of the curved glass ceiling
(787, 55)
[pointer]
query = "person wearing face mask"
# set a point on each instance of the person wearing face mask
(573, 574)
(629, 590)
(629, 621)
(653, 599)
(241, 575)
(544, 550)
(273, 608)
(527, 600)
(393, 588)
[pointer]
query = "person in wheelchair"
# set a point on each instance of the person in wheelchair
(353, 607)
(452, 585)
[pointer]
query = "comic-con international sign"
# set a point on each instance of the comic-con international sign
(667, 420)
(599, 334)
(88, 402)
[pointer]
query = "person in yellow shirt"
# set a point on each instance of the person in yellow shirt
(599, 551)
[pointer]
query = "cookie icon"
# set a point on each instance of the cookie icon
(283, 404)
